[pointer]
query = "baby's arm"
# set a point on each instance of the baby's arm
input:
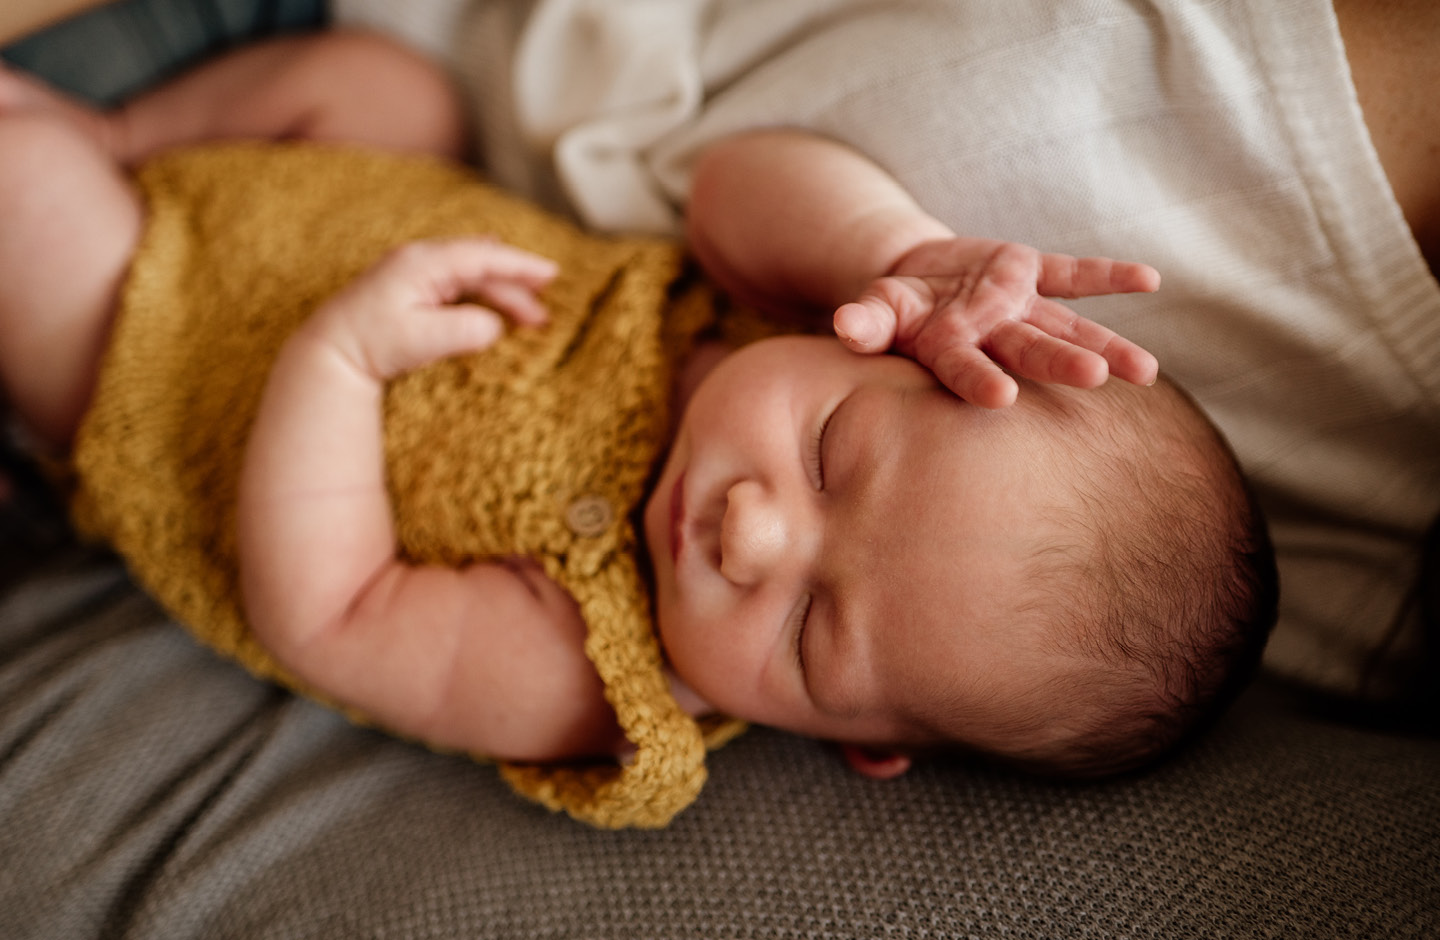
(487, 658)
(788, 220)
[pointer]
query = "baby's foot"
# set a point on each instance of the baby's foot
(22, 93)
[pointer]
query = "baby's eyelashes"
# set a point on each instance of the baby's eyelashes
(816, 454)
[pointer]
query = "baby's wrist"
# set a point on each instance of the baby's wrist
(908, 233)
(325, 348)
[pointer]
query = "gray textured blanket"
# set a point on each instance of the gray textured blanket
(151, 790)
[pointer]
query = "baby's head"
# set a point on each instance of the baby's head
(842, 548)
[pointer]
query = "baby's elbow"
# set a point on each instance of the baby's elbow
(523, 690)
(536, 716)
(552, 735)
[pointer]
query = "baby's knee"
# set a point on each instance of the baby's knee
(23, 135)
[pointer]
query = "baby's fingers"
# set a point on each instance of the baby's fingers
(1030, 352)
(1067, 276)
(866, 325)
(970, 373)
(443, 271)
(1125, 360)
(1130, 362)
(430, 334)
(516, 300)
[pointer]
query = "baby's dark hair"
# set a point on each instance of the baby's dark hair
(1158, 583)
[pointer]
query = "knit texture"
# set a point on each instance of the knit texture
(486, 454)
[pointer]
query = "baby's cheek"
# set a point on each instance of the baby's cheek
(698, 663)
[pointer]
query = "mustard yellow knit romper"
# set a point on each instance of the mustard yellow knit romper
(541, 445)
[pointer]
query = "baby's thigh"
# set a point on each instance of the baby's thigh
(72, 221)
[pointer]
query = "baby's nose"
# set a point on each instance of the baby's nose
(757, 533)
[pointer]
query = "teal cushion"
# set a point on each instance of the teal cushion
(112, 52)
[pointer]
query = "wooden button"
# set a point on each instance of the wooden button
(589, 516)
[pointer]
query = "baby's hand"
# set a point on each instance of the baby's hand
(965, 307)
(405, 312)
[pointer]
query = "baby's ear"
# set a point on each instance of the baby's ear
(875, 763)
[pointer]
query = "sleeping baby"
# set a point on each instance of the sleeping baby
(434, 457)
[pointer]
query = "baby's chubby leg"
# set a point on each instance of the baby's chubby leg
(20, 91)
(71, 223)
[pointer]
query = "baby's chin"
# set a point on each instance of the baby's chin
(693, 703)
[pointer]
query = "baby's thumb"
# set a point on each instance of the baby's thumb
(450, 330)
(866, 325)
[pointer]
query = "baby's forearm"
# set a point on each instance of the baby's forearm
(314, 515)
(790, 221)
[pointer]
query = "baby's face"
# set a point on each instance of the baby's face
(837, 544)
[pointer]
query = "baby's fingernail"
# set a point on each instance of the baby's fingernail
(856, 324)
